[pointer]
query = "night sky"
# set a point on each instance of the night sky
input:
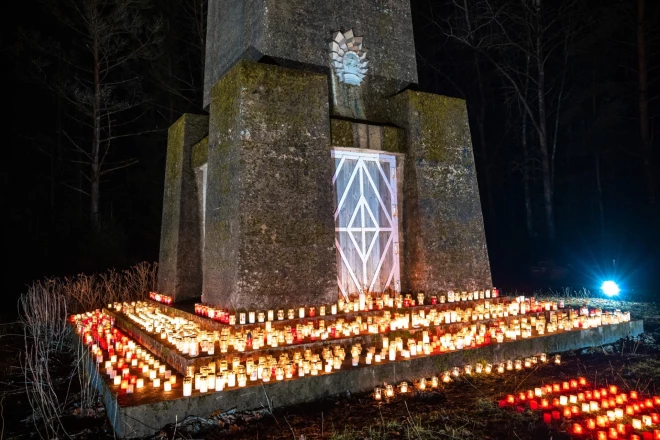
(606, 193)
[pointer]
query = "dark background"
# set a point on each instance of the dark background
(45, 220)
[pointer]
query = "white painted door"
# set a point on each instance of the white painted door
(366, 222)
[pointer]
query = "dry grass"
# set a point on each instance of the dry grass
(88, 292)
(43, 312)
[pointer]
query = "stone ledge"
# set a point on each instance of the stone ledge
(140, 420)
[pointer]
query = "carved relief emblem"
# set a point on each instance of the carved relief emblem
(348, 59)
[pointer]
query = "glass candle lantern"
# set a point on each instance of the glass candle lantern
(187, 386)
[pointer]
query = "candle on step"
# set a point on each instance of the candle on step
(187, 386)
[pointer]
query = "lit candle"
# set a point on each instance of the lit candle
(156, 382)
(187, 386)
(167, 386)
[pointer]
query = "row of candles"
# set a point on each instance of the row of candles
(362, 303)
(188, 338)
(159, 297)
(127, 365)
(468, 370)
(121, 354)
(598, 411)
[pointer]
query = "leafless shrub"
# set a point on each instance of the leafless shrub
(43, 311)
(88, 292)
(43, 315)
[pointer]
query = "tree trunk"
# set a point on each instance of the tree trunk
(543, 136)
(599, 188)
(644, 127)
(481, 126)
(529, 219)
(481, 120)
(95, 174)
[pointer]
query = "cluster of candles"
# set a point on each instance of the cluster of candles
(159, 297)
(467, 370)
(224, 374)
(362, 303)
(189, 338)
(605, 412)
(125, 362)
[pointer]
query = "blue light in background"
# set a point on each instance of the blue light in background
(610, 288)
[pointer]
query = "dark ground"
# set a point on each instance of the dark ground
(464, 409)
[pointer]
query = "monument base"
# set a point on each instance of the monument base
(149, 409)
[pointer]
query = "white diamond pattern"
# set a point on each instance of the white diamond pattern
(366, 221)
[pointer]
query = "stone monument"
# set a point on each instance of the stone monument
(318, 171)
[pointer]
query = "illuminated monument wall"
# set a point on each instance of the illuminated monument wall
(318, 170)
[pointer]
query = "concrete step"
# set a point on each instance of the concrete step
(145, 411)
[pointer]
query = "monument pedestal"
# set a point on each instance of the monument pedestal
(269, 201)
(148, 409)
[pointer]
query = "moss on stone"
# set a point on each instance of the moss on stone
(269, 151)
(200, 153)
(341, 132)
(393, 140)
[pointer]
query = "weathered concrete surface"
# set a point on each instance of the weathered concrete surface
(296, 33)
(269, 208)
(144, 419)
(445, 246)
(180, 268)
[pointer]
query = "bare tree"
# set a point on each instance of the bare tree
(514, 35)
(643, 101)
(100, 87)
(181, 72)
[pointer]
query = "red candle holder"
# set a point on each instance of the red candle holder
(577, 429)
(547, 418)
(555, 415)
